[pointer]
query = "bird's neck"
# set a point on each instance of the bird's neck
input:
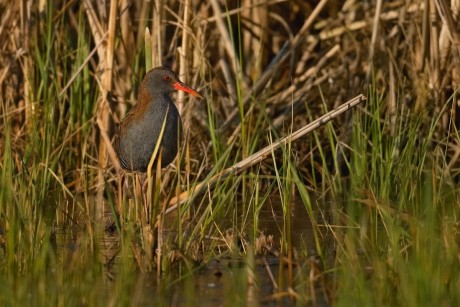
(152, 100)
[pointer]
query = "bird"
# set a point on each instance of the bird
(140, 129)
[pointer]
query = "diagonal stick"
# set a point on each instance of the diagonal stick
(263, 153)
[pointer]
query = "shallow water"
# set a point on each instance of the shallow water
(220, 282)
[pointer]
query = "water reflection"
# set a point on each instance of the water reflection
(220, 282)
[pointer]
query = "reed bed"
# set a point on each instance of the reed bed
(377, 184)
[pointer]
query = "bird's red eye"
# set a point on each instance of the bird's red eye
(167, 78)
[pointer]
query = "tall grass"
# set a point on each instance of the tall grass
(377, 186)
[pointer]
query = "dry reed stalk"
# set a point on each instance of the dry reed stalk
(25, 15)
(106, 81)
(8, 27)
(293, 92)
(434, 52)
(248, 40)
(183, 56)
(306, 56)
(106, 60)
(329, 33)
(375, 29)
(280, 58)
(392, 98)
(157, 33)
(449, 24)
(309, 22)
(292, 109)
(229, 84)
(309, 73)
(435, 69)
(252, 40)
(264, 153)
(198, 59)
(142, 24)
(338, 31)
(148, 40)
(292, 65)
(106, 78)
(240, 9)
(449, 43)
(95, 26)
(226, 40)
(124, 54)
(83, 65)
(425, 35)
(445, 43)
(106, 140)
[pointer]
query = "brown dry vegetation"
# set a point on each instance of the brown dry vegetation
(69, 71)
(291, 54)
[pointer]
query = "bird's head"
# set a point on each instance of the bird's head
(164, 81)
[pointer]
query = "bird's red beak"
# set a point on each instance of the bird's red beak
(182, 87)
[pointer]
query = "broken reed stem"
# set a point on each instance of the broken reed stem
(263, 153)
